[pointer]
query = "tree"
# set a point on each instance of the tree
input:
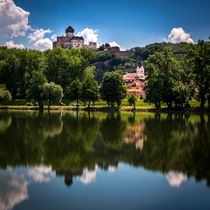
(66, 65)
(163, 73)
(90, 90)
(35, 90)
(132, 100)
(199, 61)
(5, 95)
(74, 91)
(52, 93)
(113, 88)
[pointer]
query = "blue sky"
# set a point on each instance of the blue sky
(128, 23)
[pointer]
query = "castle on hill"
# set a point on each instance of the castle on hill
(71, 41)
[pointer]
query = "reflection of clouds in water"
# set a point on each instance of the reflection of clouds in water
(13, 190)
(41, 173)
(175, 179)
(111, 169)
(88, 176)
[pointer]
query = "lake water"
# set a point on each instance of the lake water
(69, 160)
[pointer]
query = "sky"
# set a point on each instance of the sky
(126, 23)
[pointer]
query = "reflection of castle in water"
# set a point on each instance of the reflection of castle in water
(134, 135)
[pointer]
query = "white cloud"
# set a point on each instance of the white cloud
(115, 44)
(13, 19)
(89, 35)
(54, 37)
(88, 176)
(11, 44)
(13, 190)
(179, 35)
(175, 179)
(41, 173)
(37, 38)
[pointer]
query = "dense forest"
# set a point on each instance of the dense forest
(176, 73)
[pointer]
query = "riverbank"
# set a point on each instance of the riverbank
(104, 109)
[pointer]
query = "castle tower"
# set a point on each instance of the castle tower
(69, 32)
(140, 71)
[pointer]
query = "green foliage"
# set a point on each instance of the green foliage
(74, 91)
(178, 49)
(35, 91)
(132, 100)
(64, 66)
(5, 95)
(199, 62)
(165, 80)
(89, 72)
(113, 88)
(52, 93)
(90, 90)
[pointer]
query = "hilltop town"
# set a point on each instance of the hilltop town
(71, 41)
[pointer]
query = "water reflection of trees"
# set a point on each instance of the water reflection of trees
(71, 143)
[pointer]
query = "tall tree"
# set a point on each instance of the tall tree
(90, 90)
(74, 91)
(113, 88)
(163, 72)
(35, 90)
(199, 60)
(52, 93)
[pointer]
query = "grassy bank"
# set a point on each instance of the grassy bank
(99, 106)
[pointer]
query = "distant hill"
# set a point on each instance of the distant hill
(105, 61)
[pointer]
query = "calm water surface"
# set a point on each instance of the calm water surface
(66, 160)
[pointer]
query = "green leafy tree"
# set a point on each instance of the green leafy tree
(35, 90)
(52, 93)
(199, 60)
(113, 88)
(90, 90)
(74, 91)
(5, 95)
(163, 73)
(63, 66)
(132, 100)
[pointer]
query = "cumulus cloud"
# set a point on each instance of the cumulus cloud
(53, 37)
(175, 179)
(179, 35)
(88, 176)
(13, 19)
(89, 35)
(38, 39)
(41, 173)
(13, 190)
(115, 44)
(11, 44)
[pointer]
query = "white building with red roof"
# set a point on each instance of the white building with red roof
(135, 82)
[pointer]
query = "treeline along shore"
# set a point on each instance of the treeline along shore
(177, 78)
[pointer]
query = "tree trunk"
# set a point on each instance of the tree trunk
(202, 101)
(41, 107)
(49, 105)
(169, 105)
(77, 104)
(89, 105)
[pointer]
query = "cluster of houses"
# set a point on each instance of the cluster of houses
(135, 82)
